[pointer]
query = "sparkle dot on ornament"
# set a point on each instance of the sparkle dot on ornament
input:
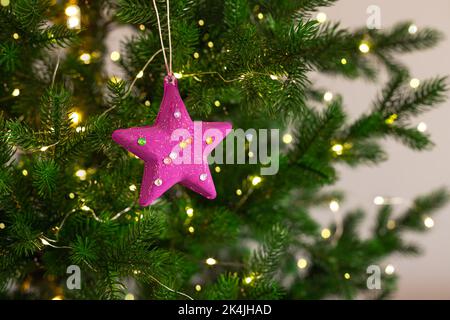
(158, 182)
(167, 161)
(201, 22)
(72, 195)
(173, 155)
(16, 36)
(2, 226)
(183, 144)
(209, 140)
(177, 114)
(203, 177)
(142, 141)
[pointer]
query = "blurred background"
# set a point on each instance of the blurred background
(406, 174)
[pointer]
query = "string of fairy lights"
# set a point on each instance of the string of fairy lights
(74, 21)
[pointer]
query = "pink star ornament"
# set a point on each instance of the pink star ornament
(175, 149)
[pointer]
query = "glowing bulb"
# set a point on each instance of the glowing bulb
(364, 47)
(43, 149)
(378, 200)
(86, 58)
(251, 154)
(344, 61)
(72, 10)
(248, 280)
(217, 169)
(211, 44)
(414, 83)
(140, 74)
(132, 187)
(196, 55)
(302, 263)
(73, 23)
(178, 75)
(44, 242)
(321, 17)
(2, 226)
(256, 180)
(391, 224)
(326, 233)
(81, 174)
(115, 56)
(239, 192)
(58, 297)
(129, 296)
(390, 269)
(189, 212)
(260, 16)
(141, 27)
(75, 117)
(201, 22)
(4, 3)
(334, 206)
(191, 229)
(24, 172)
(217, 103)
(198, 287)
(413, 29)
(72, 195)
(16, 92)
(211, 261)
(273, 77)
(328, 96)
(422, 127)
(391, 119)
(287, 138)
(428, 222)
(85, 208)
(147, 103)
(338, 149)
(15, 36)
(347, 276)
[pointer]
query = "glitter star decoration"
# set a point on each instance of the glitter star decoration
(175, 149)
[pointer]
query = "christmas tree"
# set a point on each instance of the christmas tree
(70, 221)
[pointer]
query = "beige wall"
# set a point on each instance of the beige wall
(407, 173)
